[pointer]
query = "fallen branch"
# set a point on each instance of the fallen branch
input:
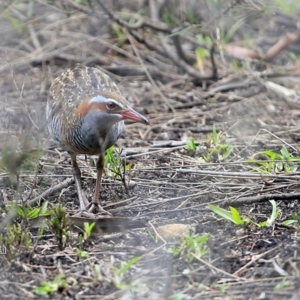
(261, 198)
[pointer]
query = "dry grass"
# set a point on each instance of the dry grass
(253, 105)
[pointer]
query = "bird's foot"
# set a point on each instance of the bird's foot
(93, 211)
(96, 208)
(91, 215)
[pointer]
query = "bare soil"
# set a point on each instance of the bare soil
(169, 184)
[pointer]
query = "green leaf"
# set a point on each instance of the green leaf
(274, 214)
(289, 222)
(20, 211)
(126, 266)
(236, 216)
(222, 212)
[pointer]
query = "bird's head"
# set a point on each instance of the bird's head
(111, 107)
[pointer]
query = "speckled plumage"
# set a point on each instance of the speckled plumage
(66, 94)
(85, 114)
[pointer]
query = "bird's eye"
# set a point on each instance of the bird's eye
(111, 105)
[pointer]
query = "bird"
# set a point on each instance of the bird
(85, 114)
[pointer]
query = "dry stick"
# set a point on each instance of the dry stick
(150, 45)
(262, 198)
(229, 174)
(148, 74)
(254, 259)
(13, 212)
(126, 25)
(217, 269)
(142, 22)
(283, 43)
(154, 13)
(79, 7)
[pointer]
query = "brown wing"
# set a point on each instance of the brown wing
(74, 86)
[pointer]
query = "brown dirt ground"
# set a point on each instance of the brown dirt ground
(241, 263)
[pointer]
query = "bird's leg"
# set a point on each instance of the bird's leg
(95, 205)
(77, 177)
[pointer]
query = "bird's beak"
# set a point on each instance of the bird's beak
(130, 114)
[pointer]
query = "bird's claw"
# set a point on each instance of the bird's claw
(97, 209)
(90, 215)
(93, 211)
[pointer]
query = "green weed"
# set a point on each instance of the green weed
(275, 162)
(120, 272)
(48, 287)
(192, 244)
(59, 223)
(191, 145)
(115, 166)
(235, 217)
(217, 147)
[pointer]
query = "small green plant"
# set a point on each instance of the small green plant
(32, 213)
(282, 284)
(233, 215)
(60, 225)
(122, 270)
(83, 238)
(289, 222)
(48, 287)
(115, 166)
(178, 296)
(217, 146)
(275, 162)
(191, 145)
(81, 253)
(192, 244)
(202, 53)
(14, 238)
(221, 287)
(289, 7)
(122, 38)
(154, 237)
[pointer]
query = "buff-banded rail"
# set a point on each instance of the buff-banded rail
(85, 115)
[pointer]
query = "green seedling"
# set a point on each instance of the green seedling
(14, 238)
(59, 223)
(221, 287)
(115, 166)
(293, 56)
(32, 213)
(191, 145)
(202, 53)
(217, 147)
(275, 213)
(178, 296)
(81, 253)
(122, 38)
(85, 234)
(122, 270)
(282, 284)
(125, 266)
(192, 244)
(153, 236)
(275, 162)
(57, 285)
(238, 66)
(289, 7)
(226, 37)
(289, 222)
(233, 215)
